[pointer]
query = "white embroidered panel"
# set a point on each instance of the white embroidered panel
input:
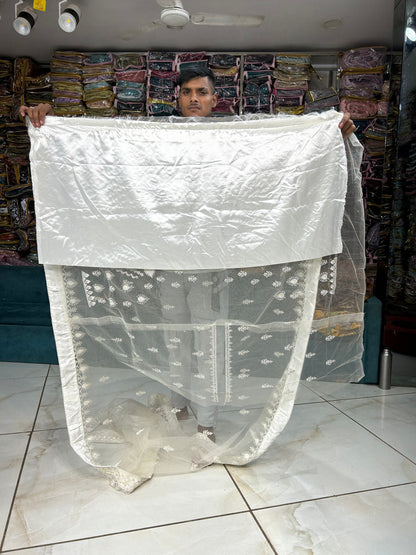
(136, 345)
(188, 194)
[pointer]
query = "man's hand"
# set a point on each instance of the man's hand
(37, 114)
(347, 126)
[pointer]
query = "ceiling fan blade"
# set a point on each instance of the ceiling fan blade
(221, 19)
(170, 3)
(149, 27)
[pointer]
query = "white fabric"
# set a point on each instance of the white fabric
(188, 195)
(235, 341)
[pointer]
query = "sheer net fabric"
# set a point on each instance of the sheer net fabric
(137, 345)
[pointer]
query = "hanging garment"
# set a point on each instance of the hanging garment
(208, 263)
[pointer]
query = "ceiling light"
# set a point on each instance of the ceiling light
(174, 17)
(24, 20)
(69, 17)
(332, 24)
(411, 34)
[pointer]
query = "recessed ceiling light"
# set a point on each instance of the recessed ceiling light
(332, 24)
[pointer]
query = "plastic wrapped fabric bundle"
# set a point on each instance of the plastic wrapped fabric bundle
(365, 57)
(251, 278)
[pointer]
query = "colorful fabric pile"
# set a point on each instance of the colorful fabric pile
(364, 95)
(130, 90)
(226, 68)
(66, 78)
(98, 81)
(161, 83)
(18, 81)
(361, 84)
(6, 87)
(292, 75)
(38, 90)
(257, 83)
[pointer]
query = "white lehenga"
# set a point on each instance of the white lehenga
(231, 329)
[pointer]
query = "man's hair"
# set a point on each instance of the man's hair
(194, 72)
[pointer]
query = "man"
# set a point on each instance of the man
(197, 98)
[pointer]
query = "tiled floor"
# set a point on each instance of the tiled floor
(340, 479)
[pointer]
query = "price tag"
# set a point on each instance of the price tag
(39, 5)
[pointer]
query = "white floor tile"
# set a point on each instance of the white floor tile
(12, 449)
(54, 370)
(372, 523)
(392, 418)
(61, 498)
(321, 452)
(306, 395)
(332, 391)
(22, 370)
(51, 413)
(228, 535)
(19, 401)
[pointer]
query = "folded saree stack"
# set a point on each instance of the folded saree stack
(130, 89)
(226, 68)
(8, 239)
(291, 80)
(19, 79)
(257, 84)
(320, 100)
(66, 78)
(38, 89)
(364, 94)
(98, 81)
(361, 82)
(6, 87)
(161, 83)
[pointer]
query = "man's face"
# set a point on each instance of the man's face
(196, 97)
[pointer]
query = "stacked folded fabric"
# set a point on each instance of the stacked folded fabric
(226, 68)
(292, 75)
(17, 233)
(364, 94)
(361, 84)
(130, 90)
(189, 60)
(319, 100)
(38, 90)
(98, 81)
(161, 83)
(390, 215)
(6, 85)
(257, 84)
(66, 79)
(8, 239)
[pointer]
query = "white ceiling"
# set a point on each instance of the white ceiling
(289, 25)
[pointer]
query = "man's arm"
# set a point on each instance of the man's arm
(37, 114)
(347, 126)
